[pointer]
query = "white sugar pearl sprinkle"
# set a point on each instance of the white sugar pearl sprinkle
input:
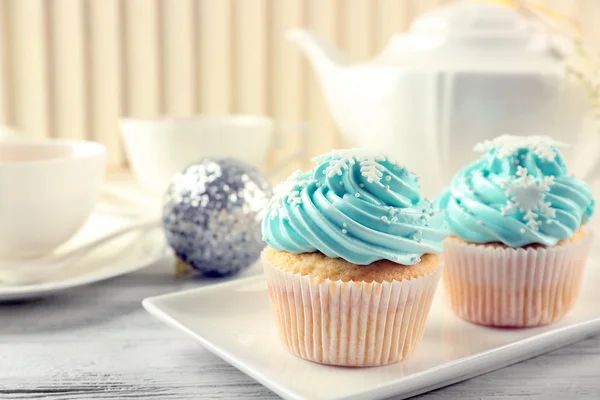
(362, 185)
(388, 178)
(345, 224)
(344, 231)
(522, 230)
(549, 221)
(357, 195)
(384, 218)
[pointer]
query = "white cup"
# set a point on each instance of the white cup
(159, 148)
(48, 189)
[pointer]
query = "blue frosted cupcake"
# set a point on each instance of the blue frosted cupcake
(519, 241)
(352, 260)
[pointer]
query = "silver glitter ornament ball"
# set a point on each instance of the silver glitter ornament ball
(212, 213)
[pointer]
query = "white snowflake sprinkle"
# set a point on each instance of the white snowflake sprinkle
(546, 209)
(527, 194)
(288, 191)
(507, 145)
(368, 160)
(337, 167)
(532, 220)
(546, 183)
(294, 198)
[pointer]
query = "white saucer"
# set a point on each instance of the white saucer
(234, 321)
(123, 255)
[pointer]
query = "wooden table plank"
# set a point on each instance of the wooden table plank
(97, 342)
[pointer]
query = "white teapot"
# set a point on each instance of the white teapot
(465, 72)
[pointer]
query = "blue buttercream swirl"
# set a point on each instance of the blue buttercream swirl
(357, 205)
(518, 193)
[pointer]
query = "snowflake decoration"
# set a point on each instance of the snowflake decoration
(369, 161)
(337, 166)
(294, 197)
(507, 145)
(527, 194)
(289, 191)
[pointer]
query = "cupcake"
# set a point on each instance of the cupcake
(519, 243)
(351, 262)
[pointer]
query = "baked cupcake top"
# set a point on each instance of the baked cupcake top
(518, 193)
(358, 205)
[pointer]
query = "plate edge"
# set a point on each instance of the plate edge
(552, 342)
(157, 312)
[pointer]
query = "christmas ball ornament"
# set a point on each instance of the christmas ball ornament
(211, 215)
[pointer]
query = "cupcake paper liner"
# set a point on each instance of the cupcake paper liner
(507, 287)
(350, 323)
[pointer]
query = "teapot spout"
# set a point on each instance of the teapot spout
(321, 54)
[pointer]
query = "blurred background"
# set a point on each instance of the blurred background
(72, 68)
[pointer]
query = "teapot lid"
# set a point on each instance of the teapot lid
(479, 34)
(472, 19)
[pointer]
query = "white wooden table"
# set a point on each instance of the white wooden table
(97, 342)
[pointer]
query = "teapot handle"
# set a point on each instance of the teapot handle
(583, 159)
(303, 129)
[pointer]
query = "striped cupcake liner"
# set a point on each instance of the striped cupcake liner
(508, 287)
(354, 324)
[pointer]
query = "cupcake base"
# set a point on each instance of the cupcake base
(350, 323)
(517, 288)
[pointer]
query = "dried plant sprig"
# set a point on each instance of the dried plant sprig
(582, 63)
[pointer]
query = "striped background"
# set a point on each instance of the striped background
(71, 68)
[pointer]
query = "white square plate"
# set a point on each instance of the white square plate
(234, 321)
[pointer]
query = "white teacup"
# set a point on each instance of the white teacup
(159, 148)
(47, 191)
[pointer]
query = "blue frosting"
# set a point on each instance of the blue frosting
(356, 205)
(519, 192)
